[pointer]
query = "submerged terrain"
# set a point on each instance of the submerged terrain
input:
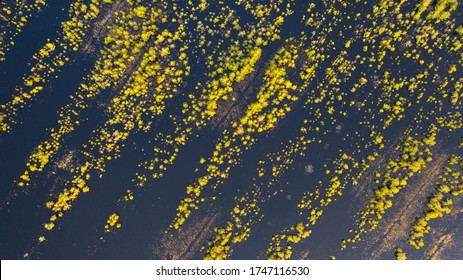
(258, 129)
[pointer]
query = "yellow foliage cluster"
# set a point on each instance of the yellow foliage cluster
(74, 30)
(218, 248)
(128, 110)
(165, 157)
(450, 184)
(260, 116)
(237, 229)
(108, 140)
(113, 221)
(397, 109)
(422, 6)
(129, 196)
(457, 95)
(122, 44)
(309, 68)
(147, 65)
(256, 118)
(400, 254)
(50, 58)
(278, 251)
(345, 67)
(442, 10)
(458, 40)
(308, 203)
(234, 69)
(263, 10)
(233, 66)
(412, 159)
(13, 17)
